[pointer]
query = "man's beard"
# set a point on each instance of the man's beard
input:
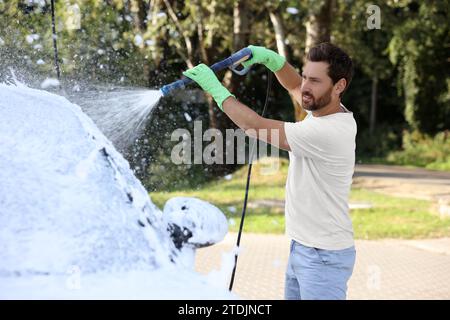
(318, 104)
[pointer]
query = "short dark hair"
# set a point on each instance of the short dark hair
(340, 64)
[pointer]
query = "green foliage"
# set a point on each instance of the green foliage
(368, 48)
(384, 139)
(25, 35)
(419, 48)
(418, 149)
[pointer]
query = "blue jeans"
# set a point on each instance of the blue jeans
(318, 274)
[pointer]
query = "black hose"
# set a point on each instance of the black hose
(55, 48)
(247, 187)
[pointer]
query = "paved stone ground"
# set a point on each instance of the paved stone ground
(385, 269)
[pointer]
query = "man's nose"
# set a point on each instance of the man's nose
(305, 87)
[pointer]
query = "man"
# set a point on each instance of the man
(322, 157)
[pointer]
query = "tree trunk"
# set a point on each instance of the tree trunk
(373, 105)
(280, 37)
(158, 74)
(188, 56)
(139, 13)
(155, 6)
(205, 59)
(241, 37)
(279, 33)
(318, 26)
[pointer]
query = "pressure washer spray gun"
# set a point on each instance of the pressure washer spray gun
(231, 62)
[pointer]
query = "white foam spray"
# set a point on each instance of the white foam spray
(120, 114)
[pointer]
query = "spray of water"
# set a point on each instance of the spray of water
(120, 114)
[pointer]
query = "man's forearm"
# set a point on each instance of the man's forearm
(288, 77)
(244, 117)
(268, 130)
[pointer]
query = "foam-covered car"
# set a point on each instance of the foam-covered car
(76, 223)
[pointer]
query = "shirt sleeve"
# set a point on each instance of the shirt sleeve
(308, 139)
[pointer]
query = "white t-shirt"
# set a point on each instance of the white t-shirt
(322, 161)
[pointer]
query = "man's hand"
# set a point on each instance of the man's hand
(208, 81)
(269, 58)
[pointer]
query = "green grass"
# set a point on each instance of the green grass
(393, 217)
(390, 217)
(437, 166)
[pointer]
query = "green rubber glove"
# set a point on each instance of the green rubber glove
(208, 81)
(272, 60)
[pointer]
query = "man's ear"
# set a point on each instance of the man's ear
(339, 86)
